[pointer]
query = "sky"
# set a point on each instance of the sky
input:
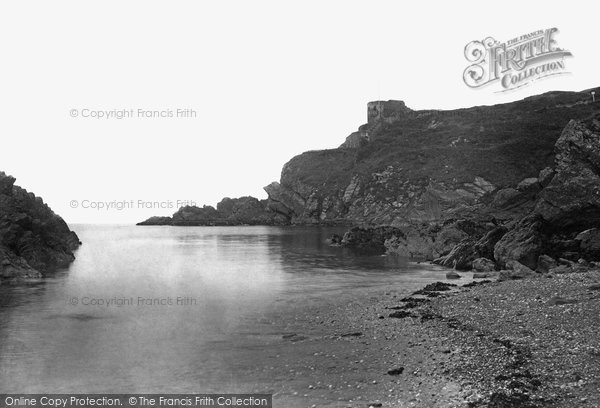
(266, 80)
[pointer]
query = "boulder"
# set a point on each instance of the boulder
(545, 176)
(529, 185)
(507, 198)
(523, 243)
(370, 240)
(485, 246)
(483, 265)
(519, 268)
(462, 255)
(589, 243)
(6, 183)
(571, 201)
(545, 263)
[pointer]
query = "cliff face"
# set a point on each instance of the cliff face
(409, 167)
(552, 222)
(229, 211)
(33, 239)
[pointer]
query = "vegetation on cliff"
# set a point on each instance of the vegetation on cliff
(423, 166)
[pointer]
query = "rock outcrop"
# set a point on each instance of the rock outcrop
(34, 240)
(229, 211)
(407, 167)
(556, 229)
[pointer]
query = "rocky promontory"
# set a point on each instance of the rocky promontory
(34, 240)
(229, 211)
(407, 167)
(554, 223)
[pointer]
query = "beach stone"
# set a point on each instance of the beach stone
(400, 314)
(517, 271)
(561, 269)
(436, 287)
(396, 371)
(452, 275)
(483, 265)
(480, 275)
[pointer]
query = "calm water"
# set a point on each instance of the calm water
(237, 289)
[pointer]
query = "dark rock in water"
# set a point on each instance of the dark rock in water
(370, 240)
(480, 275)
(335, 240)
(33, 239)
(396, 371)
(452, 275)
(523, 243)
(545, 263)
(483, 265)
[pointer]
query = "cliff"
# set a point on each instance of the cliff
(554, 222)
(229, 211)
(407, 167)
(34, 240)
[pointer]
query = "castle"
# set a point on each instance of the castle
(379, 113)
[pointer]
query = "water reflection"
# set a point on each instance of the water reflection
(246, 283)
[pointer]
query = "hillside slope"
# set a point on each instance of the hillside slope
(405, 167)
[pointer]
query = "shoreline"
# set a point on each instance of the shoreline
(518, 343)
(521, 343)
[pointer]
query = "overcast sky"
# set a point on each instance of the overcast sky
(267, 79)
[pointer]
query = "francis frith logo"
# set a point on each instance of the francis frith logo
(514, 63)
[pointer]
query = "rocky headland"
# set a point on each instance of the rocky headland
(229, 211)
(434, 174)
(34, 241)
